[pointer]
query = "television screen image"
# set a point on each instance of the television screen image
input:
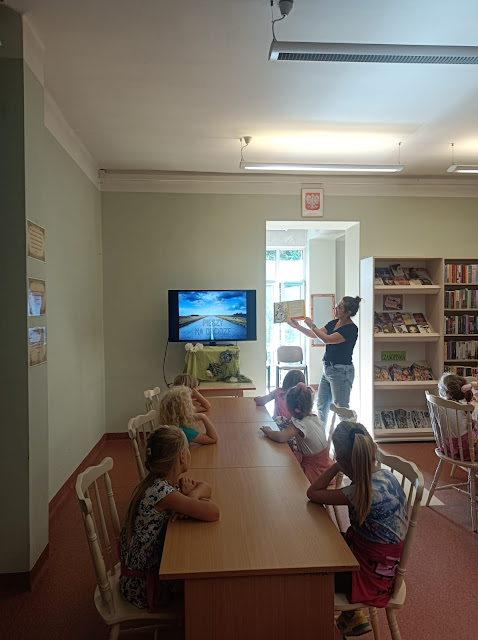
(212, 315)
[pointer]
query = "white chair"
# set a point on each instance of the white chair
(344, 414)
(446, 416)
(289, 355)
(151, 399)
(139, 429)
(411, 481)
(102, 544)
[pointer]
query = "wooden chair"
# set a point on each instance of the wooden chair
(445, 417)
(288, 355)
(151, 399)
(344, 414)
(139, 429)
(411, 481)
(103, 543)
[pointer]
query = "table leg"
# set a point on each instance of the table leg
(273, 607)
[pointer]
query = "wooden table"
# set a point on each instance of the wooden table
(265, 570)
(242, 444)
(225, 388)
(237, 410)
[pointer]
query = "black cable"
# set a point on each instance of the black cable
(168, 384)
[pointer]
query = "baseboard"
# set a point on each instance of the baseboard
(13, 583)
(117, 435)
(68, 489)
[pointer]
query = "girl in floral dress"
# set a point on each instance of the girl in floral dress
(161, 496)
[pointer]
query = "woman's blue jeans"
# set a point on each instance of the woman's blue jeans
(335, 386)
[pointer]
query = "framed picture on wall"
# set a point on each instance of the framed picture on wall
(312, 203)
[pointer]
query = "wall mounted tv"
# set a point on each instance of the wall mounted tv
(210, 316)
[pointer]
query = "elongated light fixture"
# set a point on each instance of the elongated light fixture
(322, 168)
(460, 168)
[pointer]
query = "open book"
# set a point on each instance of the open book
(284, 311)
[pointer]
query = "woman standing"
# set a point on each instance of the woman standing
(339, 337)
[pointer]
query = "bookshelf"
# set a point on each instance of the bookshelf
(421, 348)
(460, 276)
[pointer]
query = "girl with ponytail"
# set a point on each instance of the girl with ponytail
(378, 517)
(161, 496)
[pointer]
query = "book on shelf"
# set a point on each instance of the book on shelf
(424, 328)
(381, 373)
(393, 302)
(412, 328)
(420, 318)
(399, 373)
(400, 322)
(400, 328)
(462, 371)
(407, 318)
(461, 299)
(401, 419)
(396, 275)
(377, 329)
(396, 318)
(464, 324)
(461, 274)
(461, 350)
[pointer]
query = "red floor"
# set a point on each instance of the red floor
(441, 579)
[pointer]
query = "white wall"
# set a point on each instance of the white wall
(153, 242)
(75, 314)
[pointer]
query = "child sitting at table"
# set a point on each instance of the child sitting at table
(161, 496)
(378, 515)
(199, 401)
(176, 408)
(308, 431)
(281, 414)
(453, 387)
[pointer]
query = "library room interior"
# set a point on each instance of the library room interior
(240, 322)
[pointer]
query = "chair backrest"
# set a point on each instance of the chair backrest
(290, 354)
(89, 493)
(151, 399)
(452, 423)
(412, 483)
(344, 414)
(139, 429)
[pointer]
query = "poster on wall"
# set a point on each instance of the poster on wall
(312, 203)
(35, 241)
(36, 297)
(36, 345)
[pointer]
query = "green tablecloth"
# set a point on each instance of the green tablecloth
(222, 363)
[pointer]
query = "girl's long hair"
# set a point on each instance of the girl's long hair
(162, 452)
(292, 378)
(299, 401)
(177, 407)
(354, 446)
(186, 380)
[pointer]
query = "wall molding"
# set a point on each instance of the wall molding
(59, 127)
(230, 184)
(33, 50)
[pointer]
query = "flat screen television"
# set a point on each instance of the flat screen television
(210, 316)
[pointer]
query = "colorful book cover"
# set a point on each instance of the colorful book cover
(377, 420)
(420, 318)
(424, 276)
(377, 329)
(396, 372)
(380, 373)
(388, 328)
(401, 282)
(388, 419)
(407, 318)
(424, 328)
(384, 318)
(412, 328)
(396, 318)
(393, 302)
(401, 418)
(284, 311)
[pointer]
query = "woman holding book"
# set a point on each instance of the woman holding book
(339, 336)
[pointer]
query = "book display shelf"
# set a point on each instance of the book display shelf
(461, 316)
(401, 347)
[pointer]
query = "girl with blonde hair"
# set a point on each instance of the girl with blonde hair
(161, 496)
(199, 401)
(177, 408)
(378, 517)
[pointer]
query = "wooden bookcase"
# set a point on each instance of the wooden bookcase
(421, 348)
(457, 286)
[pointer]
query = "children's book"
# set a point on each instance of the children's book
(393, 302)
(412, 328)
(377, 328)
(384, 318)
(421, 419)
(420, 318)
(401, 418)
(377, 420)
(423, 328)
(284, 311)
(380, 373)
(388, 420)
(396, 318)
(396, 372)
(424, 276)
(407, 318)
(400, 328)
(388, 328)
(397, 271)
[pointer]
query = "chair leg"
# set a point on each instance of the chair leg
(392, 623)
(374, 622)
(114, 633)
(472, 479)
(340, 524)
(453, 469)
(435, 481)
(277, 377)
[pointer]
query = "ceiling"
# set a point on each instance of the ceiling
(173, 85)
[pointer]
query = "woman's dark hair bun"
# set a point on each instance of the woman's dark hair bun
(352, 304)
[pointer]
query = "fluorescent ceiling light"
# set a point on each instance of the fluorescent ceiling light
(463, 168)
(322, 168)
(384, 53)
